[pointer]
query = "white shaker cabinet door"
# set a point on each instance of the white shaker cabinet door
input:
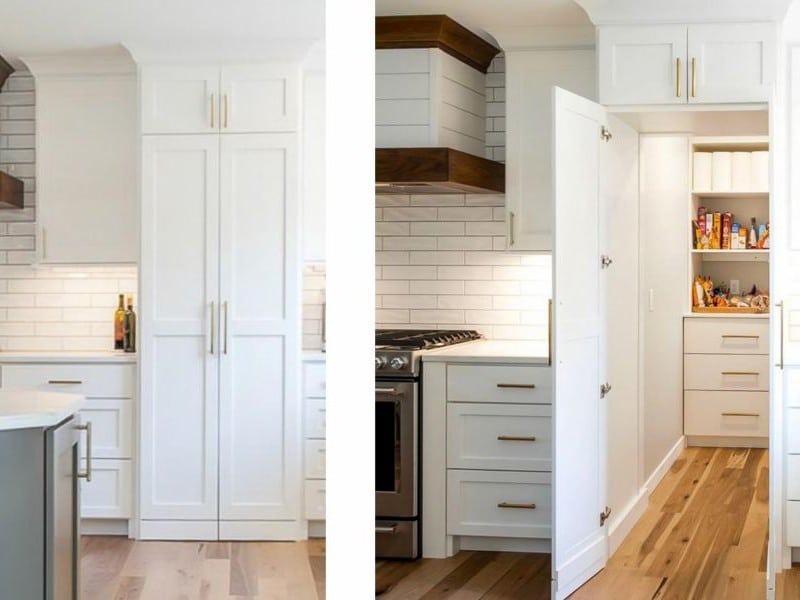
(179, 336)
(731, 63)
(258, 98)
(260, 432)
(642, 65)
(180, 99)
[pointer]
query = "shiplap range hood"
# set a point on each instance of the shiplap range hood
(11, 188)
(431, 108)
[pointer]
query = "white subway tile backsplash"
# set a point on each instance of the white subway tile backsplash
(495, 288)
(417, 213)
(391, 200)
(491, 258)
(416, 272)
(438, 316)
(464, 243)
(516, 273)
(392, 228)
(474, 302)
(493, 317)
(383, 315)
(437, 287)
(465, 273)
(391, 258)
(437, 228)
(408, 301)
(409, 243)
(392, 287)
(437, 200)
(313, 299)
(466, 213)
(437, 258)
(492, 228)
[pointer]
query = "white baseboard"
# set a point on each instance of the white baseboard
(258, 531)
(104, 527)
(498, 544)
(625, 519)
(716, 441)
(316, 529)
(658, 474)
(179, 530)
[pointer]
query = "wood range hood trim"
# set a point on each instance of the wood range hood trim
(11, 188)
(436, 171)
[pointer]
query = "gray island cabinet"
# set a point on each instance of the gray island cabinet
(39, 494)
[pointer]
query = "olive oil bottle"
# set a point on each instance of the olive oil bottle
(129, 328)
(119, 325)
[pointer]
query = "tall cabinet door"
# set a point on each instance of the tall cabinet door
(179, 341)
(180, 99)
(259, 98)
(259, 294)
(580, 546)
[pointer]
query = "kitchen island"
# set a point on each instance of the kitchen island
(39, 551)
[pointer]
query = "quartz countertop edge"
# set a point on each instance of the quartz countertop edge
(721, 315)
(492, 351)
(29, 409)
(67, 357)
(314, 355)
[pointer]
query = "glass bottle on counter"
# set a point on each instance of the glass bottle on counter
(129, 328)
(119, 325)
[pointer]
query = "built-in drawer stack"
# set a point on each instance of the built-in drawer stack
(499, 445)
(314, 402)
(726, 377)
(110, 391)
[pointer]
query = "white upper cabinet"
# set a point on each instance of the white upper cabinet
(642, 65)
(208, 99)
(731, 63)
(86, 166)
(685, 64)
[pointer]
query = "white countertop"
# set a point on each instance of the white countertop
(109, 356)
(492, 351)
(694, 315)
(26, 409)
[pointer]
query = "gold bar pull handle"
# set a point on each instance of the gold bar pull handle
(678, 77)
(739, 414)
(744, 337)
(510, 229)
(739, 373)
(225, 111)
(780, 356)
(694, 77)
(530, 506)
(519, 386)
(211, 330)
(225, 329)
(64, 381)
(87, 474)
(516, 438)
(213, 120)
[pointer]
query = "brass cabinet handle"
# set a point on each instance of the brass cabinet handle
(520, 386)
(530, 506)
(739, 414)
(511, 228)
(211, 333)
(87, 474)
(225, 111)
(694, 77)
(225, 330)
(44, 243)
(739, 373)
(516, 438)
(780, 360)
(64, 381)
(747, 337)
(678, 77)
(213, 102)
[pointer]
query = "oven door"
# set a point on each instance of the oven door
(396, 438)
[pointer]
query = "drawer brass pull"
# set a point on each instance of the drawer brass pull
(740, 414)
(748, 337)
(519, 386)
(64, 382)
(516, 438)
(739, 372)
(530, 506)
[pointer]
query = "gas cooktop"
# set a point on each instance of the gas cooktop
(421, 339)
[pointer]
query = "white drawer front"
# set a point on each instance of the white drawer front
(93, 381)
(314, 379)
(112, 425)
(109, 494)
(514, 437)
(744, 414)
(725, 336)
(315, 459)
(315, 499)
(499, 383)
(726, 372)
(793, 477)
(498, 503)
(791, 386)
(315, 418)
(793, 430)
(792, 523)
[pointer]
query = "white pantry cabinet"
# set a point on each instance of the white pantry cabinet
(86, 165)
(219, 337)
(314, 454)
(685, 64)
(256, 98)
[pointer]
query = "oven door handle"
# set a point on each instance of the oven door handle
(390, 529)
(387, 391)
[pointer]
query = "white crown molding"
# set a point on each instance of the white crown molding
(545, 37)
(114, 60)
(637, 12)
(221, 52)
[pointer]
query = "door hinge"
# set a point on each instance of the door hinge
(604, 389)
(604, 516)
(605, 261)
(605, 134)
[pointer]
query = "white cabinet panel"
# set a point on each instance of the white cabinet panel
(315, 459)
(793, 477)
(640, 64)
(731, 62)
(108, 495)
(314, 167)
(315, 418)
(499, 383)
(86, 191)
(315, 500)
(314, 379)
(499, 436)
(92, 381)
(179, 285)
(112, 427)
(259, 98)
(501, 504)
(793, 430)
(728, 372)
(736, 414)
(180, 99)
(792, 524)
(725, 336)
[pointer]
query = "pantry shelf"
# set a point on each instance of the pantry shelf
(697, 195)
(733, 255)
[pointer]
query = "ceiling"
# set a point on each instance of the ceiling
(276, 28)
(482, 16)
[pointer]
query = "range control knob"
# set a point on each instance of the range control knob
(380, 362)
(398, 362)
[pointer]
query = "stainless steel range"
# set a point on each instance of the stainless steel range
(398, 373)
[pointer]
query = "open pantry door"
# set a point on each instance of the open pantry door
(580, 139)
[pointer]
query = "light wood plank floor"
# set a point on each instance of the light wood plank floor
(703, 536)
(121, 569)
